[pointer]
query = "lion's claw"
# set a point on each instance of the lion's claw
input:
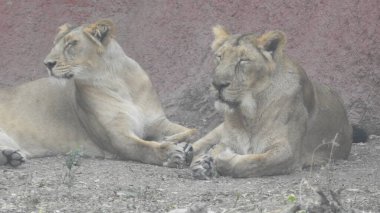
(14, 157)
(204, 168)
(181, 156)
(189, 154)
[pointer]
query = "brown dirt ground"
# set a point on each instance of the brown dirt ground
(42, 185)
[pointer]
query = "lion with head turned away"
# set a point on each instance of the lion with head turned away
(96, 98)
(275, 118)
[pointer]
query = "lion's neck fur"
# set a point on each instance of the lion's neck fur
(285, 83)
(114, 63)
(115, 81)
(114, 72)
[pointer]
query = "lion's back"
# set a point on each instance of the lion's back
(39, 117)
(328, 123)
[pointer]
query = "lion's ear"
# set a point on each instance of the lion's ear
(221, 35)
(273, 42)
(101, 31)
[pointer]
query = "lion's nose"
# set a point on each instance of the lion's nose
(220, 86)
(50, 64)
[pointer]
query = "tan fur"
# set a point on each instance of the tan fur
(275, 118)
(221, 34)
(98, 99)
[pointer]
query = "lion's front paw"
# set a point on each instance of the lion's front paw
(179, 156)
(12, 157)
(203, 168)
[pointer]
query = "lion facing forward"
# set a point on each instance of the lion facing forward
(275, 118)
(99, 99)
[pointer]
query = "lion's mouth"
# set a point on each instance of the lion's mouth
(231, 104)
(67, 75)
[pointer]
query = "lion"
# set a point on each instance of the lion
(275, 118)
(96, 99)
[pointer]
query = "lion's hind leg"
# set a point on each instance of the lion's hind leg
(10, 152)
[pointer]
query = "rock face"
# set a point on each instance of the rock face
(337, 44)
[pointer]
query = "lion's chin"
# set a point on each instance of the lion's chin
(232, 104)
(225, 106)
(58, 81)
(67, 75)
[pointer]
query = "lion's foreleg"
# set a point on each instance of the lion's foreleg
(131, 147)
(10, 152)
(163, 129)
(203, 165)
(204, 144)
(175, 132)
(272, 162)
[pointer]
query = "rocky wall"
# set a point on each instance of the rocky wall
(337, 42)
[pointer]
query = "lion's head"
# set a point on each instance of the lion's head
(245, 64)
(80, 51)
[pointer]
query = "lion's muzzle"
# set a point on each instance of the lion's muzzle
(50, 64)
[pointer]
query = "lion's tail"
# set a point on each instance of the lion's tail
(359, 135)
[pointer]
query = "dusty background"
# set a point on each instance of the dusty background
(337, 42)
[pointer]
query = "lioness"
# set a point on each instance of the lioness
(275, 118)
(98, 99)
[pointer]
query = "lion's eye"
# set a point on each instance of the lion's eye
(217, 59)
(243, 61)
(71, 43)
